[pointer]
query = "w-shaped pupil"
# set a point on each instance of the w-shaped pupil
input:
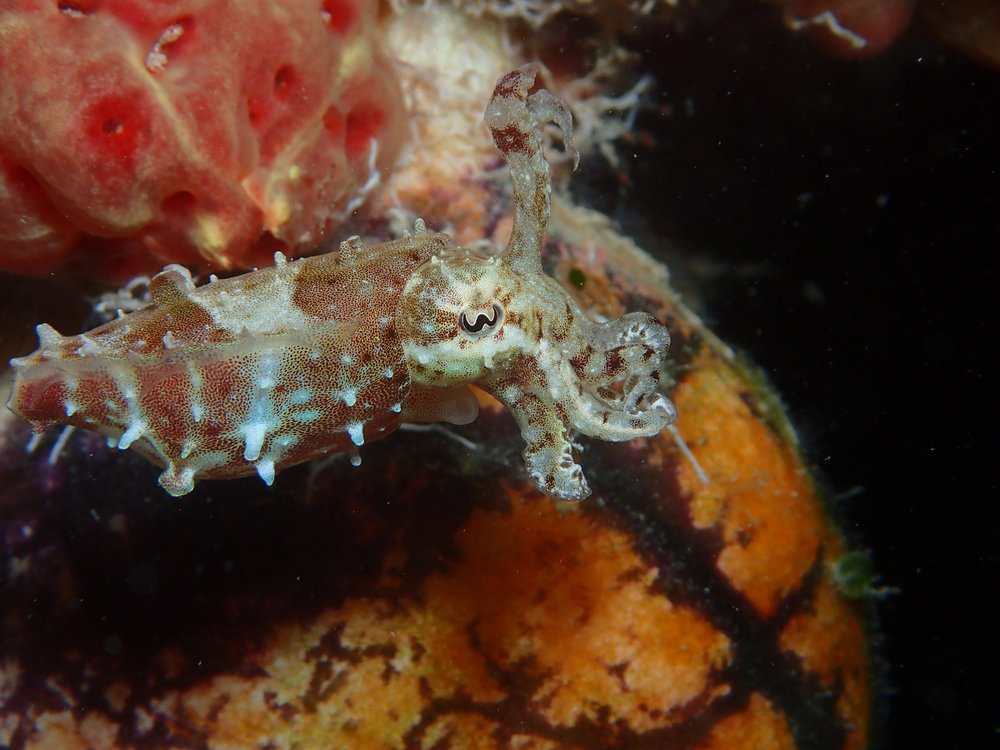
(482, 320)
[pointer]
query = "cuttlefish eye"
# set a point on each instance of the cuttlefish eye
(477, 324)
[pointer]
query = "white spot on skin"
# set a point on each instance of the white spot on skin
(192, 369)
(268, 366)
(300, 396)
(305, 417)
(350, 396)
(355, 430)
(71, 408)
(197, 411)
(387, 373)
(396, 408)
(133, 433)
(255, 433)
(265, 469)
(90, 347)
(346, 360)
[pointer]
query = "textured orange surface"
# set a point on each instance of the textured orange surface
(758, 497)
(830, 640)
(760, 726)
(543, 613)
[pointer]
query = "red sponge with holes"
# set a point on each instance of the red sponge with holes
(139, 132)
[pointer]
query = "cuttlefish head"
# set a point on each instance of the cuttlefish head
(465, 318)
(461, 316)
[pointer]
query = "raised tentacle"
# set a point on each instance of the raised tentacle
(515, 121)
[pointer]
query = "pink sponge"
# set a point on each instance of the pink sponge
(139, 132)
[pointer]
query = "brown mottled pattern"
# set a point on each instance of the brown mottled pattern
(613, 363)
(511, 139)
(224, 404)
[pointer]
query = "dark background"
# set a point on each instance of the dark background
(841, 223)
